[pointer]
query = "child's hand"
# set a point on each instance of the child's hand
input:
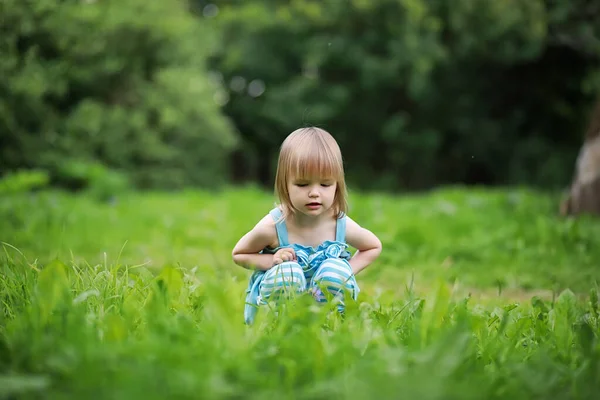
(283, 255)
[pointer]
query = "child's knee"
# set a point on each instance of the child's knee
(285, 277)
(335, 277)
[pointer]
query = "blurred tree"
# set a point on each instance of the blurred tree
(417, 92)
(118, 82)
(584, 193)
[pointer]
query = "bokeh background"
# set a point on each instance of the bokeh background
(177, 94)
(138, 143)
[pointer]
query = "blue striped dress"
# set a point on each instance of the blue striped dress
(324, 268)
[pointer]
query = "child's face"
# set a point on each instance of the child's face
(312, 196)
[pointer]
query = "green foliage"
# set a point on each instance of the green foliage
(417, 92)
(97, 180)
(23, 181)
(100, 299)
(109, 330)
(122, 83)
(484, 242)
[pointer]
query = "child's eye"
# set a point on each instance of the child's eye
(301, 184)
(325, 184)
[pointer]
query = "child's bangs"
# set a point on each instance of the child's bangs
(315, 164)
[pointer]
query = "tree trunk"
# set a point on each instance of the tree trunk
(584, 193)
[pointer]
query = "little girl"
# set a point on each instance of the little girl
(301, 245)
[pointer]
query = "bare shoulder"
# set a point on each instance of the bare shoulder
(360, 237)
(265, 229)
(352, 227)
(262, 235)
(352, 224)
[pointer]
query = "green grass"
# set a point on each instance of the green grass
(477, 294)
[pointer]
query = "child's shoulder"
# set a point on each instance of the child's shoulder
(265, 228)
(351, 225)
(267, 222)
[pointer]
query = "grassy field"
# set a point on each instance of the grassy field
(477, 294)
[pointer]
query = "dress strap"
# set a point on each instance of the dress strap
(340, 229)
(282, 233)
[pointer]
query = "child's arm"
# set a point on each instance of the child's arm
(246, 251)
(368, 245)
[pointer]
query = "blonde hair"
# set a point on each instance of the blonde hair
(308, 153)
